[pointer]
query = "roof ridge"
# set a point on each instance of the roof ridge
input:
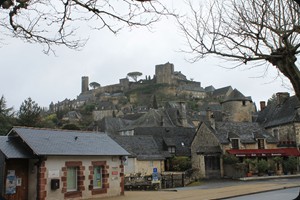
(56, 129)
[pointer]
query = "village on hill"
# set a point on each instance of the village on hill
(158, 132)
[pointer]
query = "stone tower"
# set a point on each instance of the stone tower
(164, 73)
(237, 108)
(84, 84)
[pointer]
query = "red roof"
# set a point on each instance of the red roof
(264, 152)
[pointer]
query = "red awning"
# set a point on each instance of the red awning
(264, 152)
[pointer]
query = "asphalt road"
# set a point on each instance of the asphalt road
(284, 194)
(220, 189)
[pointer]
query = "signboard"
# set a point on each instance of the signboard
(53, 174)
(11, 182)
(114, 173)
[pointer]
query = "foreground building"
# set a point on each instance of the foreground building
(281, 118)
(233, 133)
(48, 164)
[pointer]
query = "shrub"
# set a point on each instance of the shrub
(262, 166)
(230, 159)
(290, 165)
(180, 163)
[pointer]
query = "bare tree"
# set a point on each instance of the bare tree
(265, 32)
(58, 22)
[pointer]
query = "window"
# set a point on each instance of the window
(171, 149)
(99, 177)
(261, 143)
(97, 181)
(235, 143)
(72, 179)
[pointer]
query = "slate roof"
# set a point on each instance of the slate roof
(143, 147)
(236, 95)
(112, 125)
(11, 147)
(245, 131)
(181, 137)
(151, 119)
(209, 150)
(209, 88)
(222, 91)
(276, 115)
(61, 142)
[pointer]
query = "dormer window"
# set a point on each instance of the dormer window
(235, 143)
(171, 149)
(261, 143)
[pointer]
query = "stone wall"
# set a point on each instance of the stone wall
(164, 73)
(238, 111)
(204, 137)
(288, 134)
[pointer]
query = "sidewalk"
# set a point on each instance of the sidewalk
(206, 193)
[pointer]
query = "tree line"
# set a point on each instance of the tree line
(30, 114)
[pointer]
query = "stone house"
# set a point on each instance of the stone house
(281, 118)
(232, 132)
(104, 109)
(145, 156)
(49, 164)
(241, 139)
(171, 141)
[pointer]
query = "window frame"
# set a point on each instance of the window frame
(80, 179)
(104, 177)
(75, 177)
(235, 143)
(261, 143)
(95, 179)
(172, 149)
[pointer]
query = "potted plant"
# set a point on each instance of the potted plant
(271, 167)
(278, 165)
(262, 167)
(250, 164)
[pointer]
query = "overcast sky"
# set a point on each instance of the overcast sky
(106, 58)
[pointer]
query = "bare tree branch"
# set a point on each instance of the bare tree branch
(246, 31)
(59, 22)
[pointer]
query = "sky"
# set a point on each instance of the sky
(28, 72)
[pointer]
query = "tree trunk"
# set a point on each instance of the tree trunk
(289, 69)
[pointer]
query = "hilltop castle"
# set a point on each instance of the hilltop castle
(167, 85)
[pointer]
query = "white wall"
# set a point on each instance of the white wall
(54, 170)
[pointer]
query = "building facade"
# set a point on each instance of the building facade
(48, 164)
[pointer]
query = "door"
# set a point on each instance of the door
(16, 179)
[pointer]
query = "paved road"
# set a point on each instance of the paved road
(286, 194)
(213, 190)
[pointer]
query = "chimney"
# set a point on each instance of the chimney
(210, 117)
(282, 97)
(182, 113)
(262, 105)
